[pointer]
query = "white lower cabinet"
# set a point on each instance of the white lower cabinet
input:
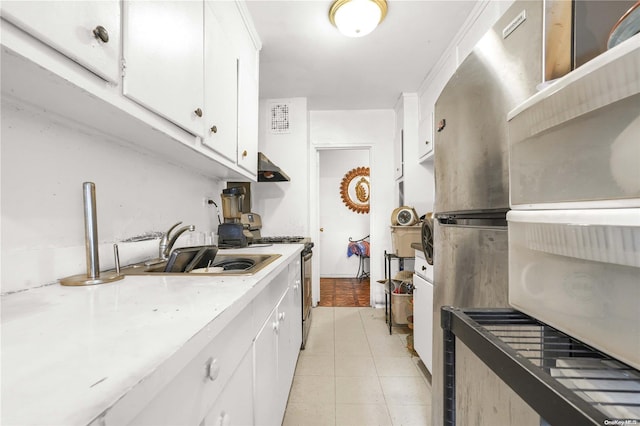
(244, 374)
(265, 372)
(192, 393)
(294, 316)
(423, 320)
(272, 359)
(235, 404)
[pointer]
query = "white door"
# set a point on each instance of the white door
(164, 59)
(337, 221)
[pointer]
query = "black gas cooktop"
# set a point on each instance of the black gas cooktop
(281, 239)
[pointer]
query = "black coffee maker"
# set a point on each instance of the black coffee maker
(231, 232)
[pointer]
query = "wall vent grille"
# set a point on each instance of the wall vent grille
(280, 123)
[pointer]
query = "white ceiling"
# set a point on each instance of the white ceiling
(304, 55)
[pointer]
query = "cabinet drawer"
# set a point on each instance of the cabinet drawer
(422, 268)
(188, 398)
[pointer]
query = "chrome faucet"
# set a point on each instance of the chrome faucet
(167, 241)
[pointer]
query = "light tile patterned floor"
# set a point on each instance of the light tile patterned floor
(353, 372)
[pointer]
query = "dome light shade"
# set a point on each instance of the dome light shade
(357, 18)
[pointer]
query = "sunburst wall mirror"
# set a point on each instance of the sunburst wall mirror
(355, 190)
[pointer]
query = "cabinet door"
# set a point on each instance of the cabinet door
(423, 319)
(164, 59)
(265, 373)
(295, 281)
(248, 107)
(69, 28)
(398, 156)
(425, 137)
(235, 405)
(221, 88)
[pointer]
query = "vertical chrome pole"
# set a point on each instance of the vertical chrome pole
(93, 275)
(91, 230)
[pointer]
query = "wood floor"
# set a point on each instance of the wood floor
(344, 292)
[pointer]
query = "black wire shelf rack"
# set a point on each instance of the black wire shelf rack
(564, 380)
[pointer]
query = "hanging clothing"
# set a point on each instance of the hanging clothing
(359, 248)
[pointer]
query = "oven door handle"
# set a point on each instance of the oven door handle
(307, 256)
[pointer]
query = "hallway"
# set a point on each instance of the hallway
(353, 372)
(345, 292)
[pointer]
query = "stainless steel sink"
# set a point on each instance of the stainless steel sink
(231, 264)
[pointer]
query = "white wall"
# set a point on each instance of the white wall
(45, 159)
(284, 206)
(375, 130)
(338, 221)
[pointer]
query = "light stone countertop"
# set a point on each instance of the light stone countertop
(68, 354)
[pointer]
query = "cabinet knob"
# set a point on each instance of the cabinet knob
(101, 33)
(214, 129)
(198, 112)
(281, 316)
(276, 326)
(244, 153)
(213, 369)
(424, 268)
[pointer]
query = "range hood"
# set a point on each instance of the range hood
(269, 172)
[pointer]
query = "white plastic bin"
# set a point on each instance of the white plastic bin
(579, 271)
(575, 144)
(402, 237)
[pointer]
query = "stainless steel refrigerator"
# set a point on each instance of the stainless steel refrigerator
(472, 198)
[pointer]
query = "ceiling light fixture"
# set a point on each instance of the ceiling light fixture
(357, 18)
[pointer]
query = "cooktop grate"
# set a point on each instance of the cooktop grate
(562, 378)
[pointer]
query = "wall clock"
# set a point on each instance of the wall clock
(355, 190)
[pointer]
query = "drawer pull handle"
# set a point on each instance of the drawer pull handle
(213, 369)
(101, 33)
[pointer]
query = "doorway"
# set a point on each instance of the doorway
(343, 268)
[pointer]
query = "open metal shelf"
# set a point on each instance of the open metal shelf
(388, 300)
(564, 380)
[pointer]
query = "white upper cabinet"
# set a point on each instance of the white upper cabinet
(248, 114)
(398, 155)
(88, 32)
(163, 55)
(221, 87)
(248, 71)
(425, 137)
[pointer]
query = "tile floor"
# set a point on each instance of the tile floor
(353, 372)
(344, 292)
